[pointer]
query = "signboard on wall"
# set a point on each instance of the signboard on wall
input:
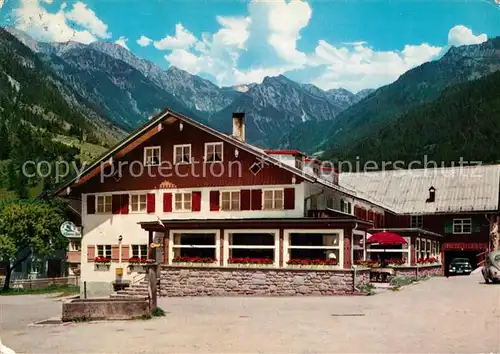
(459, 246)
(70, 230)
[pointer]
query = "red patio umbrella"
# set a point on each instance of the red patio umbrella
(386, 238)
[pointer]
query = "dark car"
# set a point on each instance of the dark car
(459, 266)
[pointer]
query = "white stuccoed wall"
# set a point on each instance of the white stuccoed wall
(104, 229)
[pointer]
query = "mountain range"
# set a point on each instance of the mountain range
(129, 89)
(110, 91)
(387, 104)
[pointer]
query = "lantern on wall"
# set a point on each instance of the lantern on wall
(181, 126)
(236, 152)
(294, 180)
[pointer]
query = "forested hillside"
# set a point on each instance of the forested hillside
(41, 119)
(464, 122)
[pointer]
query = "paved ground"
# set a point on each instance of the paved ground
(459, 315)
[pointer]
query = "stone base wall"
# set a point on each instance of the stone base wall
(104, 309)
(418, 272)
(204, 281)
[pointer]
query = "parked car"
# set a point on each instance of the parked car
(491, 269)
(459, 266)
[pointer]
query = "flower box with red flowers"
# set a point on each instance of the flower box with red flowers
(311, 263)
(102, 260)
(250, 262)
(396, 262)
(368, 264)
(428, 261)
(195, 261)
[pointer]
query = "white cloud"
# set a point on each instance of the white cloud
(85, 17)
(461, 35)
(80, 24)
(362, 67)
(270, 42)
(286, 19)
(144, 41)
(48, 1)
(122, 41)
(183, 39)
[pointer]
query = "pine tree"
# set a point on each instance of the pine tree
(4, 141)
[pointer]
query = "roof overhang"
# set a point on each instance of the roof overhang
(408, 231)
(154, 126)
(255, 224)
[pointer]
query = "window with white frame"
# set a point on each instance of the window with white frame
(182, 201)
(138, 203)
(314, 246)
(462, 226)
(230, 200)
(273, 199)
(428, 248)
(213, 152)
(152, 156)
(103, 251)
(258, 247)
(182, 153)
(75, 245)
(383, 252)
(194, 245)
(417, 221)
(417, 249)
(104, 204)
(139, 251)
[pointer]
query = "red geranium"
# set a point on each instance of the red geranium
(102, 259)
(298, 261)
(194, 260)
(248, 260)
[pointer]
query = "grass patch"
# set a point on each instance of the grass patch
(65, 290)
(80, 319)
(367, 289)
(398, 282)
(158, 312)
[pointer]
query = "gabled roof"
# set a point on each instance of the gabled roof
(458, 189)
(154, 122)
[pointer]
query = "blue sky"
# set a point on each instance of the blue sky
(354, 44)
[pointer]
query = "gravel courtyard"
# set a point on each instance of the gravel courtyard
(459, 315)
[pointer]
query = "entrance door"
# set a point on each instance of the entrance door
(54, 268)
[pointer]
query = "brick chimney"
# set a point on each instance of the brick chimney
(432, 195)
(239, 125)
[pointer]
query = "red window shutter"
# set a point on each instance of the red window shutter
(116, 204)
(289, 202)
(124, 203)
(356, 211)
(150, 206)
(370, 215)
(90, 253)
(167, 202)
(256, 199)
(115, 253)
(214, 200)
(91, 204)
(125, 253)
(245, 199)
(382, 220)
(196, 201)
